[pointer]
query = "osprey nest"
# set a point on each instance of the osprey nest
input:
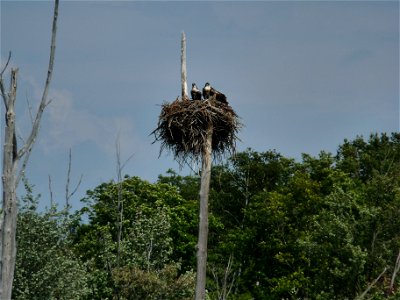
(182, 128)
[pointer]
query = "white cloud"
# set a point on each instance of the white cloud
(69, 126)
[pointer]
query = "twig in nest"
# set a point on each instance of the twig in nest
(182, 128)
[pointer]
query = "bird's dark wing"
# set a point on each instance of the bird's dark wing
(221, 98)
(212, 91)
(197, 95)
(206, 94)
(218, 95)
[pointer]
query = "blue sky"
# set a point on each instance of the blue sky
(303, 76)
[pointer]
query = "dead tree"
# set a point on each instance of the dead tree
(198, 130)
(183, 68)
(224, 284)
(12, 172)
(396, 269)
(120, 202)
(203, 215)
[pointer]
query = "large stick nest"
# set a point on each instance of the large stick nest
(182, 128)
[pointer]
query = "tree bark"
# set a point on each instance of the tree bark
(371, 285)
(11, 157)
(394, 274)
(203, 222)
(183, 68)
(9, 213)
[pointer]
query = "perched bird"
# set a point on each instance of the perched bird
(195, 92)
(206, 91)
(209, 91)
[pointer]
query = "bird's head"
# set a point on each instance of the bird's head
(207, 84)
(193, 85)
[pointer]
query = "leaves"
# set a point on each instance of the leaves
(45, 265)
(321, 228)
(155, 218)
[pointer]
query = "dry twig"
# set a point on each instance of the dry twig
(182, 128)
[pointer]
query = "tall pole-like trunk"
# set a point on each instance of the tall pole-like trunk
(394, 274)
(9, 213)
(120, 204)
(203, 222)
(183, 68)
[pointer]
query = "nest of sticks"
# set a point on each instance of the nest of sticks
(182, 128)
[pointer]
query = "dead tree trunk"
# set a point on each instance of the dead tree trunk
(396, 269)
(11, 157)
(203, 222)
(188, 129)
(9, 213)
(183, 68)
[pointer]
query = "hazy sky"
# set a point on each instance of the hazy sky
(303, 76)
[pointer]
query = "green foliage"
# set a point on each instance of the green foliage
(148, 244)
(321, 228)
(364, 159)
(45, 266)
(165, 283)
(155, 217)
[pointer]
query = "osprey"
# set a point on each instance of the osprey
(209, 91)
(195, 92)
(206, 91)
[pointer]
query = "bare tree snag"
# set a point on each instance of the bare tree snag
(9, 212)
(362, 296)
(120, 202)
(11, 157)
(26, 149)
(183, 68)
(224, 286)
(395, 271)
(68, 194)
(203, 220)
(194, 131)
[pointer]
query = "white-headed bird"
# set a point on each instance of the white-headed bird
(195, 92)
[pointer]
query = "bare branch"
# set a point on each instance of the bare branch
(395, 271)
(126, 161)
(6, 65)
(35, 128)
(48, 102)
(216, 280)
(120, 203)
(23, 166)
(3, 93)
(29, 108)
(2, 89)
(68, 179)
(120, 166)
(68, 195)
(11, 157)
(224, 287)
(371, 285)
(228, 271)
(77, 186)
(51, 193)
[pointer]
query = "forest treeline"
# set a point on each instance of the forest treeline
(325, 227)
